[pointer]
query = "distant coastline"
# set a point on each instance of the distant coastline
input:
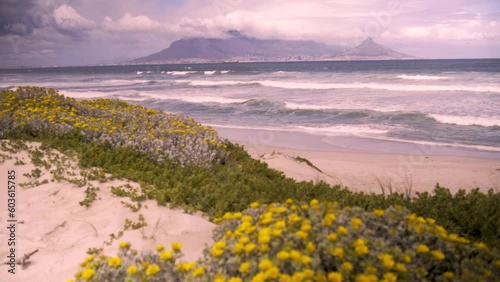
(239, 62)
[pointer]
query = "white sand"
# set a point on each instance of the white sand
(368, 172)
(62, 230)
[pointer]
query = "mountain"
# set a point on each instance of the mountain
(237, 47)
(370, 50)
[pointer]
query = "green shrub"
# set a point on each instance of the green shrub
(312, 242)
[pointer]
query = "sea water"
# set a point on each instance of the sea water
(453, 103)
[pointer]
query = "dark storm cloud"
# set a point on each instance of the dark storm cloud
(23, 17)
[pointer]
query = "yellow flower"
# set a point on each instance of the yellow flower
(216, 252)
(387, 261)
(115, 262)
(480, 245)
(273, 272)
(265, 264)
(285, 278)
(235, 279)
(124, 245)
(329, 219)
(277, 233)
(280, 224)
(448, 275)
(199, 271)
(295, 255)
(363, 278)
(301, 234)
(338, 252)
(166, 256)
(334, 277)
(356, 223)
(254, 205)
(159, 248)
(342, 230)
(422, 249)
(131, 270)
(306, 260)
(314, 202)
(245, 267)
(360, 247)
(390, 277)
(361, 250)
(406, 259)
(185, 266)
(378, 213)
(250, 248)
(438, 255)
(152, 270)
(88, 273)
(259, 277)
(176, 246)
(264, 239)
(264, 248)
(310, 248)
(247, 218)
(400, 267)
(332, 237)
(219, 278)
(238, 248)
(283, 255)
(347, 266)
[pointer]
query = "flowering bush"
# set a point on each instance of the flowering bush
(33, 110)
(313, 242)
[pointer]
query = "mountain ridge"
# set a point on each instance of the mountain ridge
(238, 47)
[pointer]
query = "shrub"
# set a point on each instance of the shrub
(313, 242)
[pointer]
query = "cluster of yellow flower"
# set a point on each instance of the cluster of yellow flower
(318, 242)
(162, 135)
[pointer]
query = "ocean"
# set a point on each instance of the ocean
(448, 103)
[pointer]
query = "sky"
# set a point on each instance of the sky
(87, 32)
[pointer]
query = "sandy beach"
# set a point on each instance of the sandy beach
(51, 220)
(372, 166)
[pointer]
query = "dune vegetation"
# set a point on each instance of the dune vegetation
(271, 228)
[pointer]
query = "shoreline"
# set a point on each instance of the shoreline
(382, 167)
(296, 140)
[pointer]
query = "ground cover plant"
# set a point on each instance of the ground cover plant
(316, 241)
(180, 162)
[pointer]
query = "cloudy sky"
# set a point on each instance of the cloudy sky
(74, 32)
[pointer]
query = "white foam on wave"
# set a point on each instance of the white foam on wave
(422, 77)
(215, 82)
(378, 86)
(210, 72)
(122, 81)
(345, 106)
(180, 72)
(139, 72)
(467, 120)
(359, 130)
(225, 71)
(432, 144)
(297, 106)
(324, 86)
(196, 99)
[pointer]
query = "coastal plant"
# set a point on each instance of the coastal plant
(35, 111)
(315, 241)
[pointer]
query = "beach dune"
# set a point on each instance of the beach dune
(51, 220)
